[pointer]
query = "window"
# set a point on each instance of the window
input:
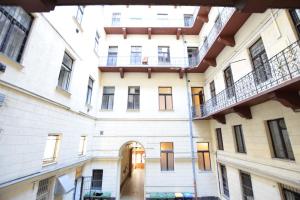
(165, 98)
(239, 139)
(296, 19)
(116, 19)
(89, 91)
(197, 100)
(166, 156)
(108, 98)
(51, 149)
(97, 179)
(136, 55)
(290, 193)
(281, 144)
(79, 15)
(224, 180)
(188, 20)
(260, 62)
(97, 38)
(219, 139)
(112, 56)
(15, 24)
(43, 189)
(230, 91)
(246, 186)
(163, 55)
(133, 98)
(82, 145)
(213, 93)
(203, 156)
(65, 72)
(192, 55)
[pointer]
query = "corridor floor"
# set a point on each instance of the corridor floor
(134, 186)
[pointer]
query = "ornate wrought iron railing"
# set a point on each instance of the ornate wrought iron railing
(145, 61)
(221, 21)
(282, 67)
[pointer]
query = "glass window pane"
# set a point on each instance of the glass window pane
(4, 26)
(14, 43)
(130, 102)
(110, 102)
(136, 101)
(169, 103)
(163, 161)
(170, 161)
(200, 161)
(277, 141)
(109, 90)
(165, 90)
(207, 161)
(162, 102)
(166, 146)
(202, 146)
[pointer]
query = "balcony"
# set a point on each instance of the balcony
(279, 80)
(146, 64)
(150, 26)
(221, 35)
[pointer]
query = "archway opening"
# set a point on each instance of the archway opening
(132, 171)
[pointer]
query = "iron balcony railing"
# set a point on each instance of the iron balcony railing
(282, 67)
(220, 22)
(91, 188)
(155, 21)
(158, 61)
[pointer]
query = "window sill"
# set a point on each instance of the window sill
(166, 110)
(77, 24)
(106, 110)
(10, 62)
(133, 110)
(81, 155)
(89, 106)
(167, 172)
(205, 171)
(49, 163)
(284, 160)
(62, 91)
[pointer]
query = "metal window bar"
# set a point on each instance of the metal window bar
(221, 21)
(284, 66)
(43, 190)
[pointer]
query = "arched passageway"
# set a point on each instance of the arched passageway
(132, 171)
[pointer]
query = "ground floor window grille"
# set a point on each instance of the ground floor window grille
(43, 190)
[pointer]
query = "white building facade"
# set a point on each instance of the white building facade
(210, 96)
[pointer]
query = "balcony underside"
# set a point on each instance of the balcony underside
(202, 17)
(225, 38)
(243, 5)
(287, 93)
(148, 70)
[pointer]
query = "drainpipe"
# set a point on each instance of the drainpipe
(191, 135)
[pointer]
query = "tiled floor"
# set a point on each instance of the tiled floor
(134, 186)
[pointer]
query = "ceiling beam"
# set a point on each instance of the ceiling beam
(243, 112)
(149, 72)
(121, 70)
(290, 99)
(181, 73)
(203, 18)
(220, 118)
(248, 6)
(210, 61)
(149, 33)
(178, 33)
(124, 33)
(227, 40)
